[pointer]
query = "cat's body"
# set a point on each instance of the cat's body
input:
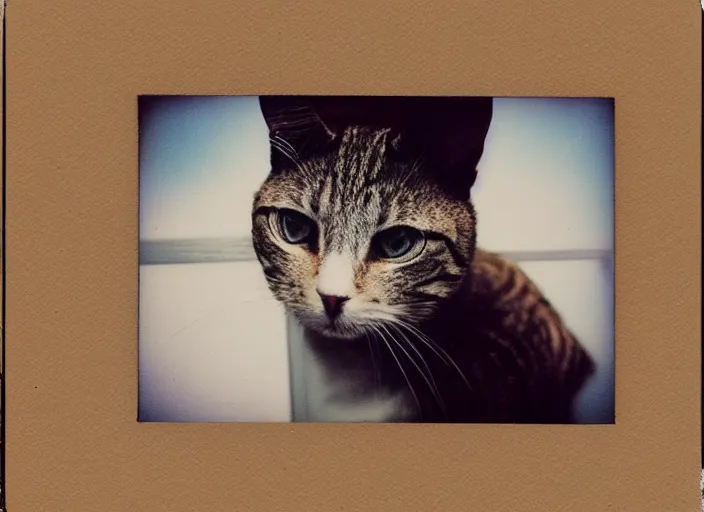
(366, 233)
(518, 362)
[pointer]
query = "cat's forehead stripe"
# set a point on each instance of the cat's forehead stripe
(349, 197)
(359, 161)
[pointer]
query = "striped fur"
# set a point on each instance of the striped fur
(454, 333)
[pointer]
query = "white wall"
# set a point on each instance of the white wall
(212, 340)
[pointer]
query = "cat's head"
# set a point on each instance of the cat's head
(365, 218)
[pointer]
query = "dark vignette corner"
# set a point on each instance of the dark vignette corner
(144, 105)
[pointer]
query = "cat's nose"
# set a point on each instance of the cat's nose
(332, 304)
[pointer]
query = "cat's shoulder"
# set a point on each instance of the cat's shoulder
(492, 271)
(500, 284)
(483, 256)
(490, 259)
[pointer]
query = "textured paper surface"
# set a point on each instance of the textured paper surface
(74, 72)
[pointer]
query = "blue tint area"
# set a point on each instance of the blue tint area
(201, 159)
(185, 137)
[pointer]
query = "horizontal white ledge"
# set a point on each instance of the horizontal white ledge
(216, 250)
(195, 250)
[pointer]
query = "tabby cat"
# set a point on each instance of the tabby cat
(366, 233)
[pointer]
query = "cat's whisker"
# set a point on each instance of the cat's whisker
(288, 145)
(419, 308)
(283, 152)
(429, 379)
(278, 143)
(290, 153)
(430, 343)
(375, 368)
(433, 389)
(410, 174)
(433, 346)
(415, 349)
(400, 366)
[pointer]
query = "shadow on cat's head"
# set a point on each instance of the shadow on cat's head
(364, 223)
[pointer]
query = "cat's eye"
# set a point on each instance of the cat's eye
(397, 242)
(296, 228)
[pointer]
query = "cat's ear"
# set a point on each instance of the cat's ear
(448, 134)
(296, 132)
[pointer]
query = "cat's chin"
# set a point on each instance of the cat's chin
(339, 330)
(336, 332)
